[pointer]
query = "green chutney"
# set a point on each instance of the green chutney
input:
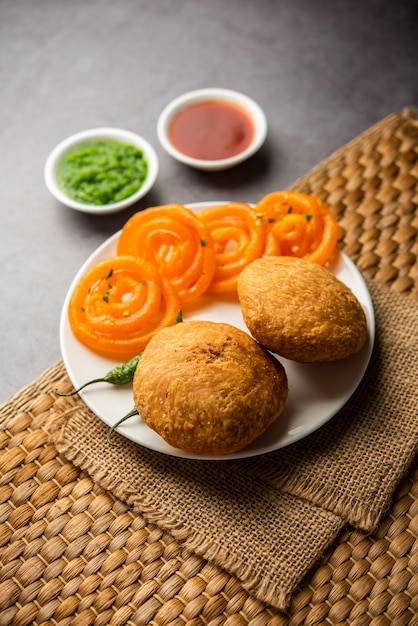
(102, 171)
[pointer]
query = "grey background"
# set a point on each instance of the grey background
(323, 71)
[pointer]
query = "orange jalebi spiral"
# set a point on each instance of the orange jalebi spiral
(238, 235)
(298, 225)
(177, 242)
(119, 304)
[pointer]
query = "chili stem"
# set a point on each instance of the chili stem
(90, 382)
(131, 413)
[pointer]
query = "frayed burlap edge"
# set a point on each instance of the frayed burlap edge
(265, 588)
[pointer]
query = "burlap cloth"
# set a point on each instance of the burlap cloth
(267, 520)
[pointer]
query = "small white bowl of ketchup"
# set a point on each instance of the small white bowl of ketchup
(212, 128)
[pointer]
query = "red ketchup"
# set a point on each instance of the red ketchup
(212, 130)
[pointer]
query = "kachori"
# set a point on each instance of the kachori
(208, 387)
(300, 310)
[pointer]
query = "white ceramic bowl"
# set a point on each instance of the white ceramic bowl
(202, 95)
(57, 154)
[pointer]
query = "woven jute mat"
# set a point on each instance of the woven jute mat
(322, 532)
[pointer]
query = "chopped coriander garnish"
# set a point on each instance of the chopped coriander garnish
(106, 293)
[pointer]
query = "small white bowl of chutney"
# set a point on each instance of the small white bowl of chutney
(101, 170)
(212, 128)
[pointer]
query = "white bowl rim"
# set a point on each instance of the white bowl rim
(109, 132)
(200, 95)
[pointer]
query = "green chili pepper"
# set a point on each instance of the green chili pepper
(118, 423)
(120, 375)
(134, 411)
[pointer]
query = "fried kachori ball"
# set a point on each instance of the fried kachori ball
(300, 310)
(208, 388)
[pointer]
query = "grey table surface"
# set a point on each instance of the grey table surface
(322, 70)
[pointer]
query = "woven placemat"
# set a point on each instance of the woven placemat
(72, 552)
(371, 186)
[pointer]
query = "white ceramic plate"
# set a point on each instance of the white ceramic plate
(316, 391)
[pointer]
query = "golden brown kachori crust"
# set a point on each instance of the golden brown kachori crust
(208, 388)
(300, 310)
